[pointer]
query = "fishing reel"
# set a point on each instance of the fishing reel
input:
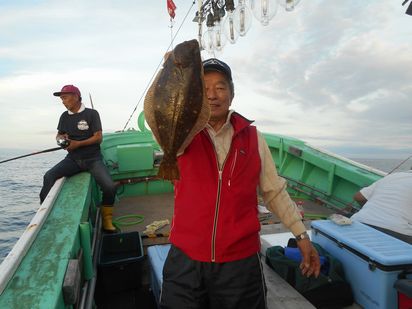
(63, 143)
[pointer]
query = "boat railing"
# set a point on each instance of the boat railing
(351, 162)
(15, 256)
(87, 297)
(333, 202)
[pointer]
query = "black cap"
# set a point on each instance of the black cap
(214, 64)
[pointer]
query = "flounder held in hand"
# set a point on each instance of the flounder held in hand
(176, 106)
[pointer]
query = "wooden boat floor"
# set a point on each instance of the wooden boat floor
(152, 208)
(160, 207)
(311, 209)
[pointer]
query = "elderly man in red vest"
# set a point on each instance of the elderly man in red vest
(214, 258)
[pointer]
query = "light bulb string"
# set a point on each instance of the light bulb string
(222, 17)
(199, 23)
(171, 31)
(158, 66)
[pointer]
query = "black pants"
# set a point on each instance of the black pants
(193, 284)
(69, 167)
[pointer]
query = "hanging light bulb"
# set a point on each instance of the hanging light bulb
(219, 38)
(229, 23)
(207, 41)
(289, 5)
(243, 18)
(229, 28)
(208, 36)
(264, 10)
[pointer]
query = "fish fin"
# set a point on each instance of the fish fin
(168, 171)
(148, 108)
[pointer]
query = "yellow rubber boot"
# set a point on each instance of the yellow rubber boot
(107, 216)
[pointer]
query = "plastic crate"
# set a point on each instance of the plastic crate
(120, 262)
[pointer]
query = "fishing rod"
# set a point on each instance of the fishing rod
(32, 154)
(399, 164)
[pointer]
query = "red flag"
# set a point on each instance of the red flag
(171, 7)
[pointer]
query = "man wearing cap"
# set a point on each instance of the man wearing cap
(214, 258)
(80, 130)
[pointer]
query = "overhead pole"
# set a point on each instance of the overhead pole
(91, 101)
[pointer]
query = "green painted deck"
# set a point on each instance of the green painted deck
(38, 281)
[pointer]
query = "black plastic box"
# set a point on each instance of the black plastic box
(120, 262)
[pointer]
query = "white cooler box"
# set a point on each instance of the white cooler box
(157, 256)
(372, 260)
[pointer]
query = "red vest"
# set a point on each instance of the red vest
(215, 216)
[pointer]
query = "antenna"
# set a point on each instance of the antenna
(91, 101)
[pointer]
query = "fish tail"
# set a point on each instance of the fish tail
(168, 170)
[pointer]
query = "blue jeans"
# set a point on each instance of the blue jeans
(69, 167)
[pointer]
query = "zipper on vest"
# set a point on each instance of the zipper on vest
(219, 187)
(232, 168)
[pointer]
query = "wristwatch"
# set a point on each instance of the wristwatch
(304, 235)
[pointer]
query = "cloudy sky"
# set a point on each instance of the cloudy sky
(335, 73)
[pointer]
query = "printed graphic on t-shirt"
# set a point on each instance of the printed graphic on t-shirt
(82, 125)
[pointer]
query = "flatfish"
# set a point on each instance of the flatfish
(176, 106)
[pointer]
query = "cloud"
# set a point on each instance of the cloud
(60, 35)
(342, 72)
(334, 73)
(114, 94)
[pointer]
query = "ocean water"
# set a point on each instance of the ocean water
(21, 181)
(20, 184)
(387, 165)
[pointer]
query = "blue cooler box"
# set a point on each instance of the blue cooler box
(157, 256)
(372, 260)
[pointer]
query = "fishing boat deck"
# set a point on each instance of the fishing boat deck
(152, 208)
(160, 207)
